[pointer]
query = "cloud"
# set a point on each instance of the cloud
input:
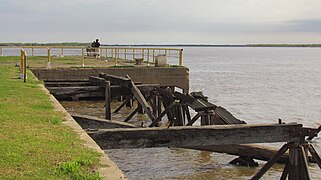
(156, 20)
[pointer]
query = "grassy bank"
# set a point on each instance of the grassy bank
(34, 144)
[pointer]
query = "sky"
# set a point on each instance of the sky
(161, 21)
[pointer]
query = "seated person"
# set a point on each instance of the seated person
(95, 44)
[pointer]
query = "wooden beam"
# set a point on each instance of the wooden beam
(195, 136)
(255, 151)
(315, 155)
(124, 82)
(131, 114)
(128, 98)
(269, 164)
(142, 101)
(91, 122)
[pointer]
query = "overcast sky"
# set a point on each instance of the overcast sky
(161, 21)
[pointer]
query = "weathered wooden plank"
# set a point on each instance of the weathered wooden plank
(125, 82)
(91, 122)
(142, 101)
(97, 81)
(227, 116)
(66, 84)
(195, 136)
(85, 91)
(255, 151)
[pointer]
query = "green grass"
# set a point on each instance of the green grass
(34, 144)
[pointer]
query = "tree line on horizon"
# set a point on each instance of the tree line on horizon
(188, 45)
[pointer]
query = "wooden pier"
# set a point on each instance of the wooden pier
(220, 131)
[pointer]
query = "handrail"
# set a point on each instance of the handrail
(114, 52)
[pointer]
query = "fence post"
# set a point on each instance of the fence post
(181, 57)
(147, 55)
(118, 53)
(143, 53)
(153, 55)
(0, 51)
(83, 57)
(125, 56)
(106, 53)
(23, 66)
(32, 51)
(133, 54)
(62, 52)
(48, 57)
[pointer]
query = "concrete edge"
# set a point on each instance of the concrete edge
(107, 169)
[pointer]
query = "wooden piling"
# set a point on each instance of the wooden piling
(107, 100)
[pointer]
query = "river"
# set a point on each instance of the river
(256, 84)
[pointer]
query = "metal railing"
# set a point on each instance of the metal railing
(116, 54)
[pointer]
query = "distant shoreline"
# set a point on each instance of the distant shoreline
(161, 45)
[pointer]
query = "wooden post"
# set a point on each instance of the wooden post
(143, 54)
(153, 55)
(112, 53)
(294, 162)
(118, 54)
(32, 51)
(83, 57)
(24, 67)
(115, 58)
(125, 56)
(62, 52)
(204, 119)
(180, 57)
(48, 58)
(107, 100)
(0, 51)
(159, 106)
(133, 54)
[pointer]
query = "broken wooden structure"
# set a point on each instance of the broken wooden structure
(158, 102)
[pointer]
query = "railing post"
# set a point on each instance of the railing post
(133, 54)
(32, 51)
(83, 57)
(62, 52)
(23, 66)
(106, 52)
(180, 57)
(143, 54)
(112, 53)
(153, 55)
(147, 55)
(125, 56)
(118, 53)
(0, 51)
(48, 58)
